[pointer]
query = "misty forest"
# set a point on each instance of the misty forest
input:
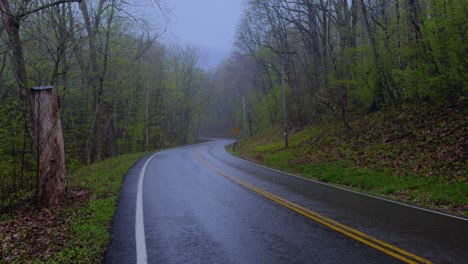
(122, 90)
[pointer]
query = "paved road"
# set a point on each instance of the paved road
(199, 204)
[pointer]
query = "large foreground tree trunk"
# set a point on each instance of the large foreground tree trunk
(52, 185)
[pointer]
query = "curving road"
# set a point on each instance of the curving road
(199, 204)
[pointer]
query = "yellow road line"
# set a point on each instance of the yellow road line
(346, 230)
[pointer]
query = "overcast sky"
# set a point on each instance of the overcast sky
(209, 25)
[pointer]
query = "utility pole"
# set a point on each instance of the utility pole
(283, 93)
(245, 120)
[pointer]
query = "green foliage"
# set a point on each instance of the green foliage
(405, 54)
(135, 85)
(17, 164)
(445, 31)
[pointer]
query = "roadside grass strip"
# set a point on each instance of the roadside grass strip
(346, 230)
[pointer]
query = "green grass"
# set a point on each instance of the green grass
(397, 168)
(77, 231)
(89, 232)
(269, 147)
(428, 191)
(90, 221)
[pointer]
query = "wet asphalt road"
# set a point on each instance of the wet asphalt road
(194, 213)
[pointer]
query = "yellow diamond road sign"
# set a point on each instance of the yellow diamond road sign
(235, 130)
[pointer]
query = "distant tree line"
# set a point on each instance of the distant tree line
(342, 57)
(121, 90)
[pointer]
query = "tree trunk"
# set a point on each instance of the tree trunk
(414, 17)
(95, 78)
(147, 118)
(12, 27)
(379, 97)
(186, 124)
(51, 182)
(113, 132)
(250, 124)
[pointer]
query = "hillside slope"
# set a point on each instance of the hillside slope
(415, 154)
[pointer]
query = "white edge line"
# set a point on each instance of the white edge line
(344, 189)
(139, 222)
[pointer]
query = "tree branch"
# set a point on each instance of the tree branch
(25, 14)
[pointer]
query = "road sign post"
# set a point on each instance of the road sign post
(235, 131)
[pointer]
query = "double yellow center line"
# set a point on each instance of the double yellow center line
(346, 230)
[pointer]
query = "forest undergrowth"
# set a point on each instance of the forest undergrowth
(414, 153)
(62, 234)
